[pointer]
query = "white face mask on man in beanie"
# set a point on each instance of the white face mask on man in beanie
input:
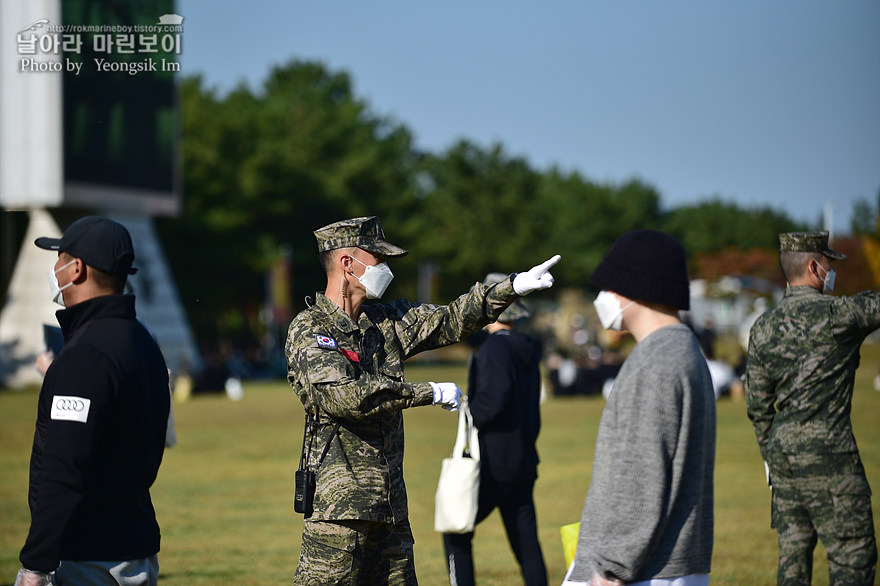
(609, 310)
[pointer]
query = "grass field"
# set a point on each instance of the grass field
(224, 494)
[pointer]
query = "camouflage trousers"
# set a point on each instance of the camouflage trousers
(352, 553)
(827, 497)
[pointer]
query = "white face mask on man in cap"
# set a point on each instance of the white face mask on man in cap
(375, 279)
(54, 289)
(828, 281)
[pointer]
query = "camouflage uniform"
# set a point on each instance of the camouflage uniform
(353, 373)
(802, 359)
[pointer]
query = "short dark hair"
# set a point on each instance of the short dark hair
(108, 282)
(328, 257)
(793, 264)
(105, 281)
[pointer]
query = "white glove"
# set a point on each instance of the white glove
(447, 395)
(767, 473)
(535, 278)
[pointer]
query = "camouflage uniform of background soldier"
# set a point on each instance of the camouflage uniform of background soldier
(803, 355)
(345, 362)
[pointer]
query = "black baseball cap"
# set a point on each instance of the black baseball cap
(100, 242)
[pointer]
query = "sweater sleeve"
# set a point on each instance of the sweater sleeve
(631, 485)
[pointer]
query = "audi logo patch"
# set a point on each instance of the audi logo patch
(70, 408)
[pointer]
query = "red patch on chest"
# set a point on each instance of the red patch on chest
(350, 354)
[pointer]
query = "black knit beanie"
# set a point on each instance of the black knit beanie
(646, 265)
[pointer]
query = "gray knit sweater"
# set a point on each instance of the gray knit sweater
(649, 510)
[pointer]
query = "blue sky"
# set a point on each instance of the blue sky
(758, 103)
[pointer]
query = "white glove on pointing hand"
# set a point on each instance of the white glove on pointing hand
(447, 395)
(535, 278)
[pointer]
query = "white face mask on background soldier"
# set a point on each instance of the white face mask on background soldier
(375, 279)
(609, 310)
(828, 281)
(54, 289)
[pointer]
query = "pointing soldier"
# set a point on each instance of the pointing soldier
(345, 361)
(803, 355)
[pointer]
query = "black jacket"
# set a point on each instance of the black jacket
(504, 393)
(99, 440)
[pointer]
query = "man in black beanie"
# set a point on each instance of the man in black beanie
(649, 510)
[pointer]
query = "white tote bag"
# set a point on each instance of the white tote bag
(458, 491)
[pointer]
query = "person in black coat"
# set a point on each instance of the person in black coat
(101, 423)
(504, 393)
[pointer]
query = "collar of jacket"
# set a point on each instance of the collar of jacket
(802, 291)
(335, 313)
(73, 318)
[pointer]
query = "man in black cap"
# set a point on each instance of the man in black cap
(101, 421)
(648, 516)
(345, 361)
(802, 360)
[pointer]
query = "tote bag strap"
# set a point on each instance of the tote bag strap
(466, 438)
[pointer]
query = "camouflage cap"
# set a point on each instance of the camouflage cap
(516, 310)
(363, 233)
(808, 242)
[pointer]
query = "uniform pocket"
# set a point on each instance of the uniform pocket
(327, 554)
(852, 514)
(851, 499)
(328, 366)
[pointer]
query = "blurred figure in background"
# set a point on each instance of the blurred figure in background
(707, 338)
(504, 393)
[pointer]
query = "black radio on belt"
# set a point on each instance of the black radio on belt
(304, 496)
(306, 479)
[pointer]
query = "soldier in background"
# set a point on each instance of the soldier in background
(345, 362)
(802, 359)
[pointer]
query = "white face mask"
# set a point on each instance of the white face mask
(54, 289)
(610, 313)
(375, 279)
(830, 276)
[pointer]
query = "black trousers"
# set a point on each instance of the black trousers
(514, 501)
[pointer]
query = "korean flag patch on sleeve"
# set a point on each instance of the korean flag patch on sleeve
(325, 341)
(70, 408)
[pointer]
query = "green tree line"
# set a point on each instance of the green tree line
(263, 169)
